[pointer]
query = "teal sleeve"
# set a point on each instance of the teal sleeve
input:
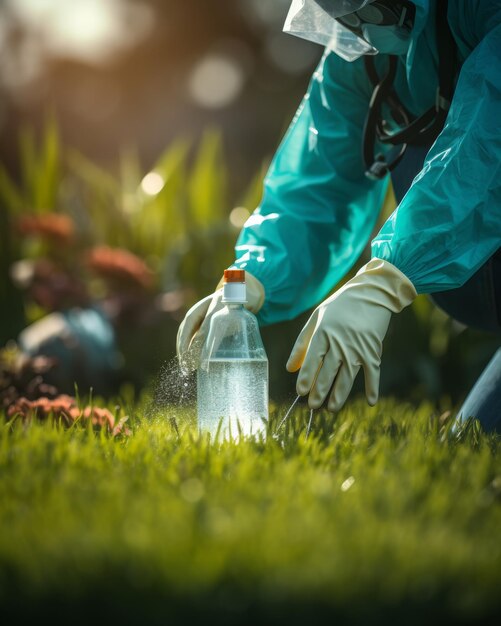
(449, 222)
(318, 208)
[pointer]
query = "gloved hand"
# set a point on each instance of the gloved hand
(346, 332)
(195, 326)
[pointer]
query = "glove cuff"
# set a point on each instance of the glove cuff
(397, 289)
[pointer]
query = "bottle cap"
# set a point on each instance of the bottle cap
(234, 276)
(234, 290)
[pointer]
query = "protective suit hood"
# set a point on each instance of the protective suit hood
(315, 20)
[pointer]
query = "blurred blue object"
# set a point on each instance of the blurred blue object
(83, 342)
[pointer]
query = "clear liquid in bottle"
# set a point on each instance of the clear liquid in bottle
(232, 379)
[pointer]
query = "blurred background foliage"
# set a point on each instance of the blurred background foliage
(122, 214)
(141, 245)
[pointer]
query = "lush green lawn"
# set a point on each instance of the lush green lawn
(375, 517)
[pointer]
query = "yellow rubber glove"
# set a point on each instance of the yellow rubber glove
(195, 326)
(346, 333)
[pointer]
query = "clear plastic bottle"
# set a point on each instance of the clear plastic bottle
(232, 379)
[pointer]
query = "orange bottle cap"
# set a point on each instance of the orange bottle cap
(234, 276)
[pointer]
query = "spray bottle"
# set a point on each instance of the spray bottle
(232, 379)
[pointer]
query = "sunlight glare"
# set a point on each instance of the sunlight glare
(152, 183)
(87, 29)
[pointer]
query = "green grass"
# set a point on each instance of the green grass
(376, 516)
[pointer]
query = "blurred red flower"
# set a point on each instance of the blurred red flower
(59, 228)
(120, 266)
(65, 408)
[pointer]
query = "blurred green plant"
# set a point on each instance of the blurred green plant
(39, 173)
(160, 214)
(174, 216)
(36, 193)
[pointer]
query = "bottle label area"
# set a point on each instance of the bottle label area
(236, 392)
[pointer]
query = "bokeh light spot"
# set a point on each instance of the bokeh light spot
(152, 183)
(239, 216)
(91, 30)
(192, 490)
(216, 81)
(348, 483)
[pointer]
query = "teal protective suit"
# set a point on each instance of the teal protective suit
(319, 209)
